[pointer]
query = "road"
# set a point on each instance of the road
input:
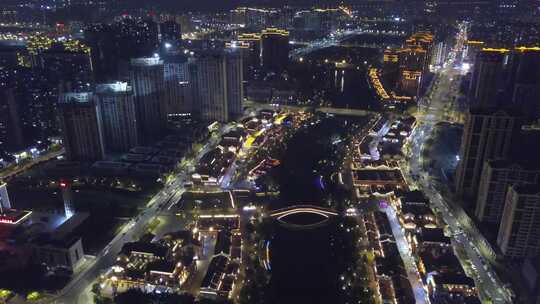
(405, 252)
(489, 285)
(327, 110)
(77, 290)
(12, 171)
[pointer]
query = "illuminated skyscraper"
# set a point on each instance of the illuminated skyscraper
(423, 40)
(275, 49)
(412, 63)
(116, 108)
(147, 80)
(81, 128)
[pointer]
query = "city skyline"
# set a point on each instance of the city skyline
(267, 151)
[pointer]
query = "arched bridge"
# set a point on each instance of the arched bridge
(303, 216)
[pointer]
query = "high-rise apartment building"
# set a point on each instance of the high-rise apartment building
(235, 79)
(136, 37)
(320, 21)
(501, 77)
(487, 135)
(5, 203)
(440, 53)
(471, 49)
(113, 45)
(519, 233)
(81, 128)
(404, 69)
(170, 34)
(412, 61)
(105, 56)
(11, 136)
(217, 85)
(249, 45)
(35, 99)
(11, 55)
(147, 80)
(497, 176)
(487, 77)
(390, 68)
(274, 49)
(256, 18)
(68, 64)
(523, 83)
(210, 87)
(178, 94)
(424, 41)
(116, 108)
(253, 45)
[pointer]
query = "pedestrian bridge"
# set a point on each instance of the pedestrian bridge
(303, 216)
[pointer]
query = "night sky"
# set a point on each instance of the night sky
(213, 4)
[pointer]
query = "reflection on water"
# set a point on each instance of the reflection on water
(351, 90)
(345, 87)
(304, 268)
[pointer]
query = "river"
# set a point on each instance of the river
(305, 262)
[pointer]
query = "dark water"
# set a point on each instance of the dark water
(351, 90)
(304, 267)
(309, 158)
(327, 85)
(348, 87)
